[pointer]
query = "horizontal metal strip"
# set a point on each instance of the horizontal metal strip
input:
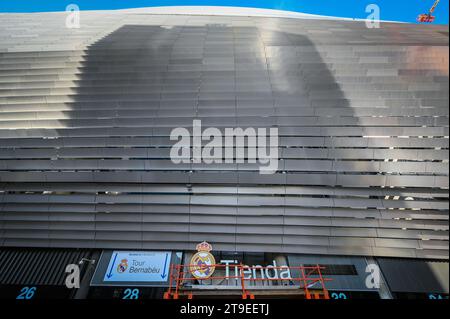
(430, 229)
(295, 157)
(230, 200)
(417, 88)
(84, 143)
(241, 109)
(87, 211)
(233, 238)
(225, 66)
(320, 125)
(266, 118)
(76, 56)
(228, 177)
(336, 220)
(303, 66)
(235, 98)
(159, 222)
(118, 188)
(412, 168)
(423, 87)
(235, 86)
(266, 114)
(363, 155)
(187, 244)
(87, 131)
(311, 62)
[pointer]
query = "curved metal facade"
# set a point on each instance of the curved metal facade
(85, 118)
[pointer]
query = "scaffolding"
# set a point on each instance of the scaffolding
(309, 283)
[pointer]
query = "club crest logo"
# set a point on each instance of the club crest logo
(202, 263)
(122, 266)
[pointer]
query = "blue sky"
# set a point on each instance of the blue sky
(396, 10)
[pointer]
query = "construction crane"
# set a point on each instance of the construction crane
(428, 17)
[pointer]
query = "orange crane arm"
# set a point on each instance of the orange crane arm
(434, 6)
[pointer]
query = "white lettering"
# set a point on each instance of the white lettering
(249, 144)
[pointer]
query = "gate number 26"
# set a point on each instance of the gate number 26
(26, 293)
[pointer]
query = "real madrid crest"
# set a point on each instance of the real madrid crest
(202, 263)
(122, 266)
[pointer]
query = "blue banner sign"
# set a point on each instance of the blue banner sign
(129, 266)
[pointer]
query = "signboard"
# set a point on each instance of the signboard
(128, 268)
(138, 266)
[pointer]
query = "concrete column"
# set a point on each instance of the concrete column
(281, 260)
(187, 261)
(384, 291)
(82, 292)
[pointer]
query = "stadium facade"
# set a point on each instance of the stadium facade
(86, 176)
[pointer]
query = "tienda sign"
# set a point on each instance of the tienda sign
(202, 266)
(256, 271)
